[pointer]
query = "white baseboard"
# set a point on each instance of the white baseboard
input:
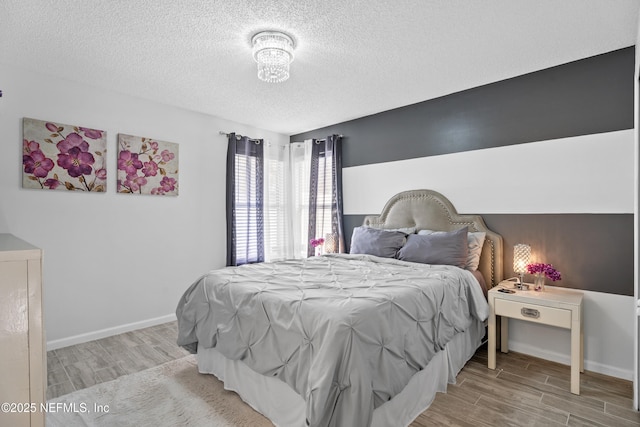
(103, 333)
(565, 359)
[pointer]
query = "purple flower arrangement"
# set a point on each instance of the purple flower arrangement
(316, 242)
(546, 269)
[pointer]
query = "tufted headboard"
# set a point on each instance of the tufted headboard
(428, 209)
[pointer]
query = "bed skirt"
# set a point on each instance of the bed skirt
(285, 408)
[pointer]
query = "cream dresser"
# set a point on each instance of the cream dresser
(23, 358)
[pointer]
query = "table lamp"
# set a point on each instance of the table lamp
(521, 255)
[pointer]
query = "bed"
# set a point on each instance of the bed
(347, 339)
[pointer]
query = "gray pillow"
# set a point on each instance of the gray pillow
(449, 248)
(374, 241)
(475, 240)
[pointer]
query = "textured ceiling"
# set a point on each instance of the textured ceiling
(353, 57)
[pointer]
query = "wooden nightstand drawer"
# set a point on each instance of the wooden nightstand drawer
(533, 313)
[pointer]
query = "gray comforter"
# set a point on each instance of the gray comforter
(346, 332)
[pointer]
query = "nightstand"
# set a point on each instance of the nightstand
(554, 306)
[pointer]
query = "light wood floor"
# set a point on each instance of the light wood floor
(83, 365)
(522, 391)
(527, 391)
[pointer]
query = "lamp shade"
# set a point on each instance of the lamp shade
(521, 256)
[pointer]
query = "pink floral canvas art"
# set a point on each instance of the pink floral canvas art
(63, 157)
(147, 166)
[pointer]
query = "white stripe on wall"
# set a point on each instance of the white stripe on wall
(583, 174)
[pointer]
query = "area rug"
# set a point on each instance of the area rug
(173, 394)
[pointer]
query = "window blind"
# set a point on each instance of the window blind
(245, 201)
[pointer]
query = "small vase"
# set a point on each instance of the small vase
(318, 250)
(538, 282)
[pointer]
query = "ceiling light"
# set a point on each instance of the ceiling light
(273, 51)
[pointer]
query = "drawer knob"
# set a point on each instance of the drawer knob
(530, 312)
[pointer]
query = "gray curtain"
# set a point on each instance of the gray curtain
(325, 208)
(245, 200)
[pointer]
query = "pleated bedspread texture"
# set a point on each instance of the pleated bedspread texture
(346, 332)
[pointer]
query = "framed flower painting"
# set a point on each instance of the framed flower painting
(56, 156)
(147, 166)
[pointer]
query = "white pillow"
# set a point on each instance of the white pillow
(475, 241)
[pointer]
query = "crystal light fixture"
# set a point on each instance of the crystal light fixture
(273, 51)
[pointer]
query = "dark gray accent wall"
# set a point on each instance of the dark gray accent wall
(593, 95)
(593, 252)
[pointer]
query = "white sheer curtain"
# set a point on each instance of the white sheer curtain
(287, 175)
(300, 174)
(278, 239)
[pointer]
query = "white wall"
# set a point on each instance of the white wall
(115, 262)
(582, 174)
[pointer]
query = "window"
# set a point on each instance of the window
(281, 196)
(248, 206)
(325, 194)
(324, 200)
(245, 199)
(277, 224)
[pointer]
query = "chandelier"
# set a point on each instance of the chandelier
(273, 51)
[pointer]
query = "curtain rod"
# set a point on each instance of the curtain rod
(226, 134)
(237, 136)
(324, 139)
